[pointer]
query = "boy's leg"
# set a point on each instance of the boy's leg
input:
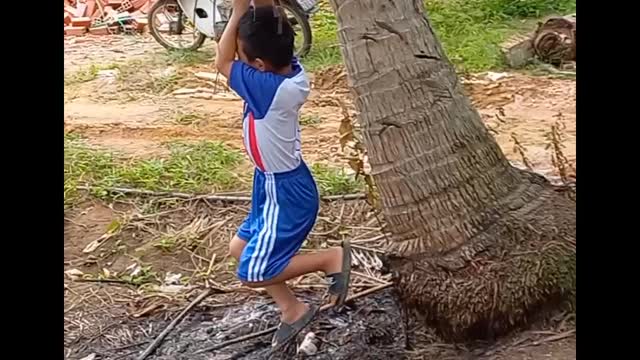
(291, 308)
(236, 245)
(327, 261)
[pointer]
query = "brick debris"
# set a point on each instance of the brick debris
(104, 17)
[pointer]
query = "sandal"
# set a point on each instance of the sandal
(287, 332)
(340, 281)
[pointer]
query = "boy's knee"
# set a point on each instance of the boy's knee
(236, 246)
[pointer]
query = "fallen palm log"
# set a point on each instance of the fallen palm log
(553, 42)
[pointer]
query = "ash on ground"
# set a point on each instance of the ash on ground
(369, 328)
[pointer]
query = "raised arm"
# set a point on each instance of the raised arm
(227, 46)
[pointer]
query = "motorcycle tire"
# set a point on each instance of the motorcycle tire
(302, 19)
(158, 37)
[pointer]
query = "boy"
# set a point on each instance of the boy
(285, 201)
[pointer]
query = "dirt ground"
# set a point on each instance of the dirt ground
(155, 238)
(516, 105)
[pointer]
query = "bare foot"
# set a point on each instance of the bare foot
(294, 313)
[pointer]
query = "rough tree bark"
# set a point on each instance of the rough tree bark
(478, 245)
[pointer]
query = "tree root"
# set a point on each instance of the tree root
(522, 264)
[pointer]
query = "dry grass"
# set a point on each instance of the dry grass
(556, 136)
(161, 237)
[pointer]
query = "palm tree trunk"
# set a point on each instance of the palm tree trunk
(478, 245)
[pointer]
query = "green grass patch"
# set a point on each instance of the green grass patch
(325, 50)
(525, 8)
(192, 168)
(200, 167)
(332, 181)
(310, 120)
(190, 58)
(471, 31)
(87, 74)
(187, 118)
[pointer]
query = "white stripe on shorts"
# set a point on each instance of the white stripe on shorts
(271, 234)
(267, 213)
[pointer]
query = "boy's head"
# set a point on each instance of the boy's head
(265, 40)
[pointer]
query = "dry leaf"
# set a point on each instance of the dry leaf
(74, 274)
(148, 310)
(112, 229)
(184, 91)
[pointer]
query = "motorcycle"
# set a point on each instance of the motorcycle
(171, 21)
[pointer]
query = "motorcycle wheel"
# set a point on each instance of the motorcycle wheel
(300, 22)
(161, 32)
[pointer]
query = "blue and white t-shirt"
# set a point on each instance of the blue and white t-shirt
(271, 128)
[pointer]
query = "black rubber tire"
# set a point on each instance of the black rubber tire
(154, 32)
(303, 21)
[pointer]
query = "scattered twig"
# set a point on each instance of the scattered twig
(125, 355)
(519, 149)
(76, 223)
(228, 198)
(365, 293)
(108, 281)
(563, 322)
(553, 70)
(173, 324)
(343, 197)
(237, 340)
(369, 277)
(565, 168)
(556, 337)
(128, 346)
(274, 328)
(364, 248)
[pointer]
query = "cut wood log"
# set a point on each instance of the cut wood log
(554, 41)
(518, 51)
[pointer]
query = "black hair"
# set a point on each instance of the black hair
(266, 34)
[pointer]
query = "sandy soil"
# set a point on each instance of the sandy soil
(516, 105)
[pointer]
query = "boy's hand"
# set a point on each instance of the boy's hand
(227, 45)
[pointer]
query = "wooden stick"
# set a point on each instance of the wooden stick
(274, 328)
(364, 248)
(369, 277)
(108, 281)
(172, 325)
(228, 198)
(556, 337)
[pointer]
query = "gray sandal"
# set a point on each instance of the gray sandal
(287, 332)
(340, 281)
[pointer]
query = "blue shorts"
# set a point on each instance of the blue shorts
(284, 208)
